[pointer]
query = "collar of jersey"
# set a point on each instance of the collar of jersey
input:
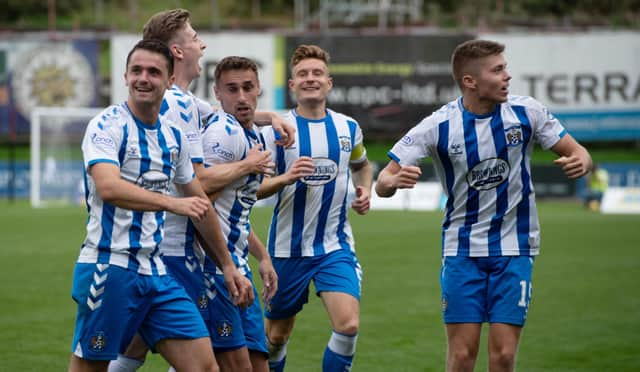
(474, 115)
(140, 123)
(295, 113)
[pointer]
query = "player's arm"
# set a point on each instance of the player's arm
(394, 176)
(114, 190)
(362, 174)
(215, 246)
(574, 159)
(215, 178)
(265, 267)
(287, 131)
(302, 167)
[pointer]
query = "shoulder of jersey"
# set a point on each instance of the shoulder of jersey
(112, 116)
(222, 121)
(341, 116)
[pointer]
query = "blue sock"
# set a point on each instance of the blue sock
(277, 356)
(338, 356)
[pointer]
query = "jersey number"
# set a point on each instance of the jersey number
(525, 292)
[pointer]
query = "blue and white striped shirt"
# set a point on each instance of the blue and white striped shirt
(226, 141)
(483, 164)
(310, 216)
(181, 108)
(150, 157)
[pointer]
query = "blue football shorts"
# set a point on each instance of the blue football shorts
(188, 273)
(114, 303)
(232, 327)
(337, 271)
(486, 289)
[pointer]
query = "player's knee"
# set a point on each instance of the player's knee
(277, 338)
(463, 356)
(503, 358)
(349, 326)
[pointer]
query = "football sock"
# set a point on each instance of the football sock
(338, 355)
(277, 356)
(124, 364)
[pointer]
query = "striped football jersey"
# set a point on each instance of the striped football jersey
(483, 164)
(310, 216)
(150, 157)
(226, 141)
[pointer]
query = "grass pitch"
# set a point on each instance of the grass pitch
(584, 316)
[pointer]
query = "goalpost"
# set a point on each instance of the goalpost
(56, 158)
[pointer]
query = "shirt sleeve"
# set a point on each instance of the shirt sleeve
(547, 128)
(101, 142)
(413, 146)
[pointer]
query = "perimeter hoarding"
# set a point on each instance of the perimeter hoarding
(388, 83)
(590, 81)
(260, 47)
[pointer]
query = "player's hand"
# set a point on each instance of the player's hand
(301, 168)
(573, 166)
(362, 202)
(194, 207)
(240, 288)
(269, 280)
(407, 177)
(260, 161)
(286, 131)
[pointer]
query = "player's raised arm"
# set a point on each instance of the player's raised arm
(394, 176)
(302, 167)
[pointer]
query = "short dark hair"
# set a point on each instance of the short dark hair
(164, 25)
(469, 51)
(305, 51)
(155, 46)
(234, 63)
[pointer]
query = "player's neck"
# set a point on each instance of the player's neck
(312, 111)
(182, 82)
(478, 106)
(146, 113)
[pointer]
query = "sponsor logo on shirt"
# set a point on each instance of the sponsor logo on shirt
(406, 140)
(154, 180)
(325, 170)
(217, 150)
(488, 174)
(102, 141)
(246, 195)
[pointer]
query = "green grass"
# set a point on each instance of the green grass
(585, 313)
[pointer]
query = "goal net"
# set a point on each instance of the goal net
(56, 156)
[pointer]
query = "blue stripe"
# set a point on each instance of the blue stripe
(280, 169)
(300, 195)
(523, 207)
(443, 154)
(123, 145)
(502, 194)
(164, 107)
(234, 229)
(328, 190)
(96, 161)
(473, 196)
(106, 225)
(393, 156)
(135, 231)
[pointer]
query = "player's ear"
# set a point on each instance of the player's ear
(216, 92)
(176, 51)
(172, 79)
(468, 82)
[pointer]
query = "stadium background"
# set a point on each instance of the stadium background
(390, 70)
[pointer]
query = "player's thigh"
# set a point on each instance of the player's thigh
(509, 289)
(233, 360)
(463, 285)
(259, 361)
(173, 315)
(187, 272)
(225, 320)
(110, 309)
(463, 338)
(503, 338)
(253, 325)
(188, 354)
(339, 271)
(294, 277)
(343, 310)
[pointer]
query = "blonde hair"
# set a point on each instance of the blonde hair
(165, 25)
(305, 51)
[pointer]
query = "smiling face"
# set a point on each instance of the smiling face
(147, 77)
(310, 81)
(238, 91)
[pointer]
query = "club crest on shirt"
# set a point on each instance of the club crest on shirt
(98, 341)
(345, 143)
(488, 174)
(325, 170)
(203, 301)
(514, 135)
(224, 328)
(455, 149)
